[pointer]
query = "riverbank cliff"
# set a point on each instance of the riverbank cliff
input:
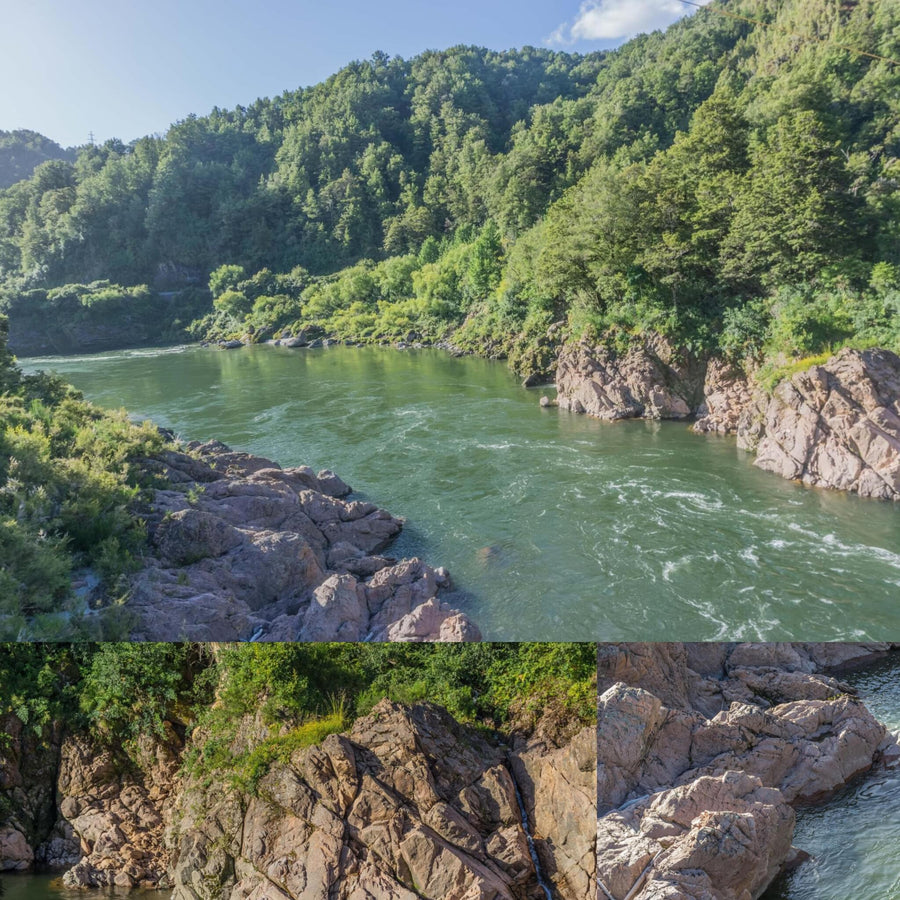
(834, 425)
(406, 804)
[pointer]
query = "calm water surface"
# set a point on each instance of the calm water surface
(49, 887)
(557, 526)
(854, 839)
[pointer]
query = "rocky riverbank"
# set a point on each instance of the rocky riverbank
(834, 425)
(705, 748)
(240, 549)
(408, 803)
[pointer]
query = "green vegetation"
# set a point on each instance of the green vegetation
(70, 479)
(735, 186)
(22, 151)
(302, 692)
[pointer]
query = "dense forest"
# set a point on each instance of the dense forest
(733, 184)
(121, 691)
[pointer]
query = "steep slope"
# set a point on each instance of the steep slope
(407, 804)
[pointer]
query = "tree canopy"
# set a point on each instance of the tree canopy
(680, 183)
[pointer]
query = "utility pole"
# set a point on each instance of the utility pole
(91, 137)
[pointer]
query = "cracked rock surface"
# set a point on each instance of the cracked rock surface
(241, 548)
(407, 804)
(704, 748)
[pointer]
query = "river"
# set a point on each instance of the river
(853, 838)
(49, 887)
(556, 526)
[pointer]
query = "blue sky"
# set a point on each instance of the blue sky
(123, 69)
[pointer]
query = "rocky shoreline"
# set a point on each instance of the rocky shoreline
(703, 751)
(242, 549)
(407, 803)
(835, 425)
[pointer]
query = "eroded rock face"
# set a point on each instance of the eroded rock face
(838, 425)
(730, 403)
(558, 782)
(650, 380)
(835, 425)
(243, 548)
(28, 765)
(114, 806)
(703, 747)
(408, 804)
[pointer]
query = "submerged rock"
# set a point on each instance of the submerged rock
(241, 548)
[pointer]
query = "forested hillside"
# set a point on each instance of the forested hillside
(22, 151)
(733, 184)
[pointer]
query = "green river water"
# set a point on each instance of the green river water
(49, 887)
(553, 526)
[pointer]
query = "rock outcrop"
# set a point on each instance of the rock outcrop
(835, 425)
(241, 549)
(838, 425)
(408, 804)
(649, 381)
(702, 749)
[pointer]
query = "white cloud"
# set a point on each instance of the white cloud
(612, 20)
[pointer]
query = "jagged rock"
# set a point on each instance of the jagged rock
(701, 750)
(729, 836)
(116, 810)
(408, 804)
(558, 781)
(728, 400)
(244, 548)
(838, 425)
(649, 380)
